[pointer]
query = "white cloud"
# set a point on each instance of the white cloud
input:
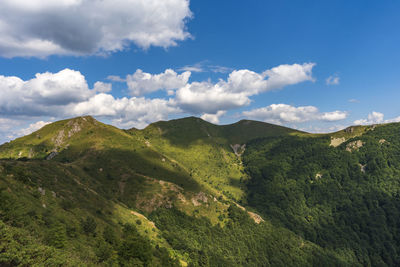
(332, 80)
(32, 128)
(100, 87)
(116, 78)
(203, 67)
(319, 129)
(207, 97)
(284, 75)
(141, 83)
(42, 94)
(282, 113)
(17, 127)
(67, 94)
(333, 116)
(213, 118)
(77, 27)
(245, 81)
(397, 119)
(198, 67)
(125, 112)
(375, 118)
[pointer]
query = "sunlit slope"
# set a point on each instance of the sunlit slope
(80, 133)
(59, 214)
(179, 183)
(88, 143)
(210, 153)
(58, 182)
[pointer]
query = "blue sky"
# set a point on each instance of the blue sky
(313, 65)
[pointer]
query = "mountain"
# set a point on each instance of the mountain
(188, 192)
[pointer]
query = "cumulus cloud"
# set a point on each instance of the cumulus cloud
(208, 97)
(32, 128)
(66, 94)
(213, 118)
(283, 113)
(42, 94)
(100, 87)
(141, 83)
(375, 118)
(397, 119)
(17, 127)
(125, 112)
(332, 80)
(285, 74)
(319, 129)
(333, 116)
(81, 27)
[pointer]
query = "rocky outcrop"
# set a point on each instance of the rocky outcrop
(238, 149)
(337, 141)
(355, 145)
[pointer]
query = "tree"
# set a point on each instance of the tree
(89, 226)
(57, 235)
(135, 248)
(109, 235)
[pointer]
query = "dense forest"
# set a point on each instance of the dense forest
(344, 198)
(247, 194)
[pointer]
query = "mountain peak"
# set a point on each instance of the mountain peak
(53, 137)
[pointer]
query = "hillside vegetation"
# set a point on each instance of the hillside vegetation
(189, 193)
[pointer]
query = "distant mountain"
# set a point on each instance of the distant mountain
(188, 192)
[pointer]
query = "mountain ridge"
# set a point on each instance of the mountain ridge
(199, 194)
(230, 126)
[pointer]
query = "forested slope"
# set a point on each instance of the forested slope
(344, 198)
(189, 193)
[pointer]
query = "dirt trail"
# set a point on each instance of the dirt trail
(257, 218)
(143, 217)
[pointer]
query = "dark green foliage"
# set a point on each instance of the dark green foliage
(241, 243)
(11, 210)
(89, 226)
(103, 250)
(236, 214)
(134, 249)
(109, 235)
(57, 235)
(71, 231)
(19, 248)
(322, 205)
(330, 196)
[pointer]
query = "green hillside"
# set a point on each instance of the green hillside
(205, 150)
(189, 193)
(343, 198)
